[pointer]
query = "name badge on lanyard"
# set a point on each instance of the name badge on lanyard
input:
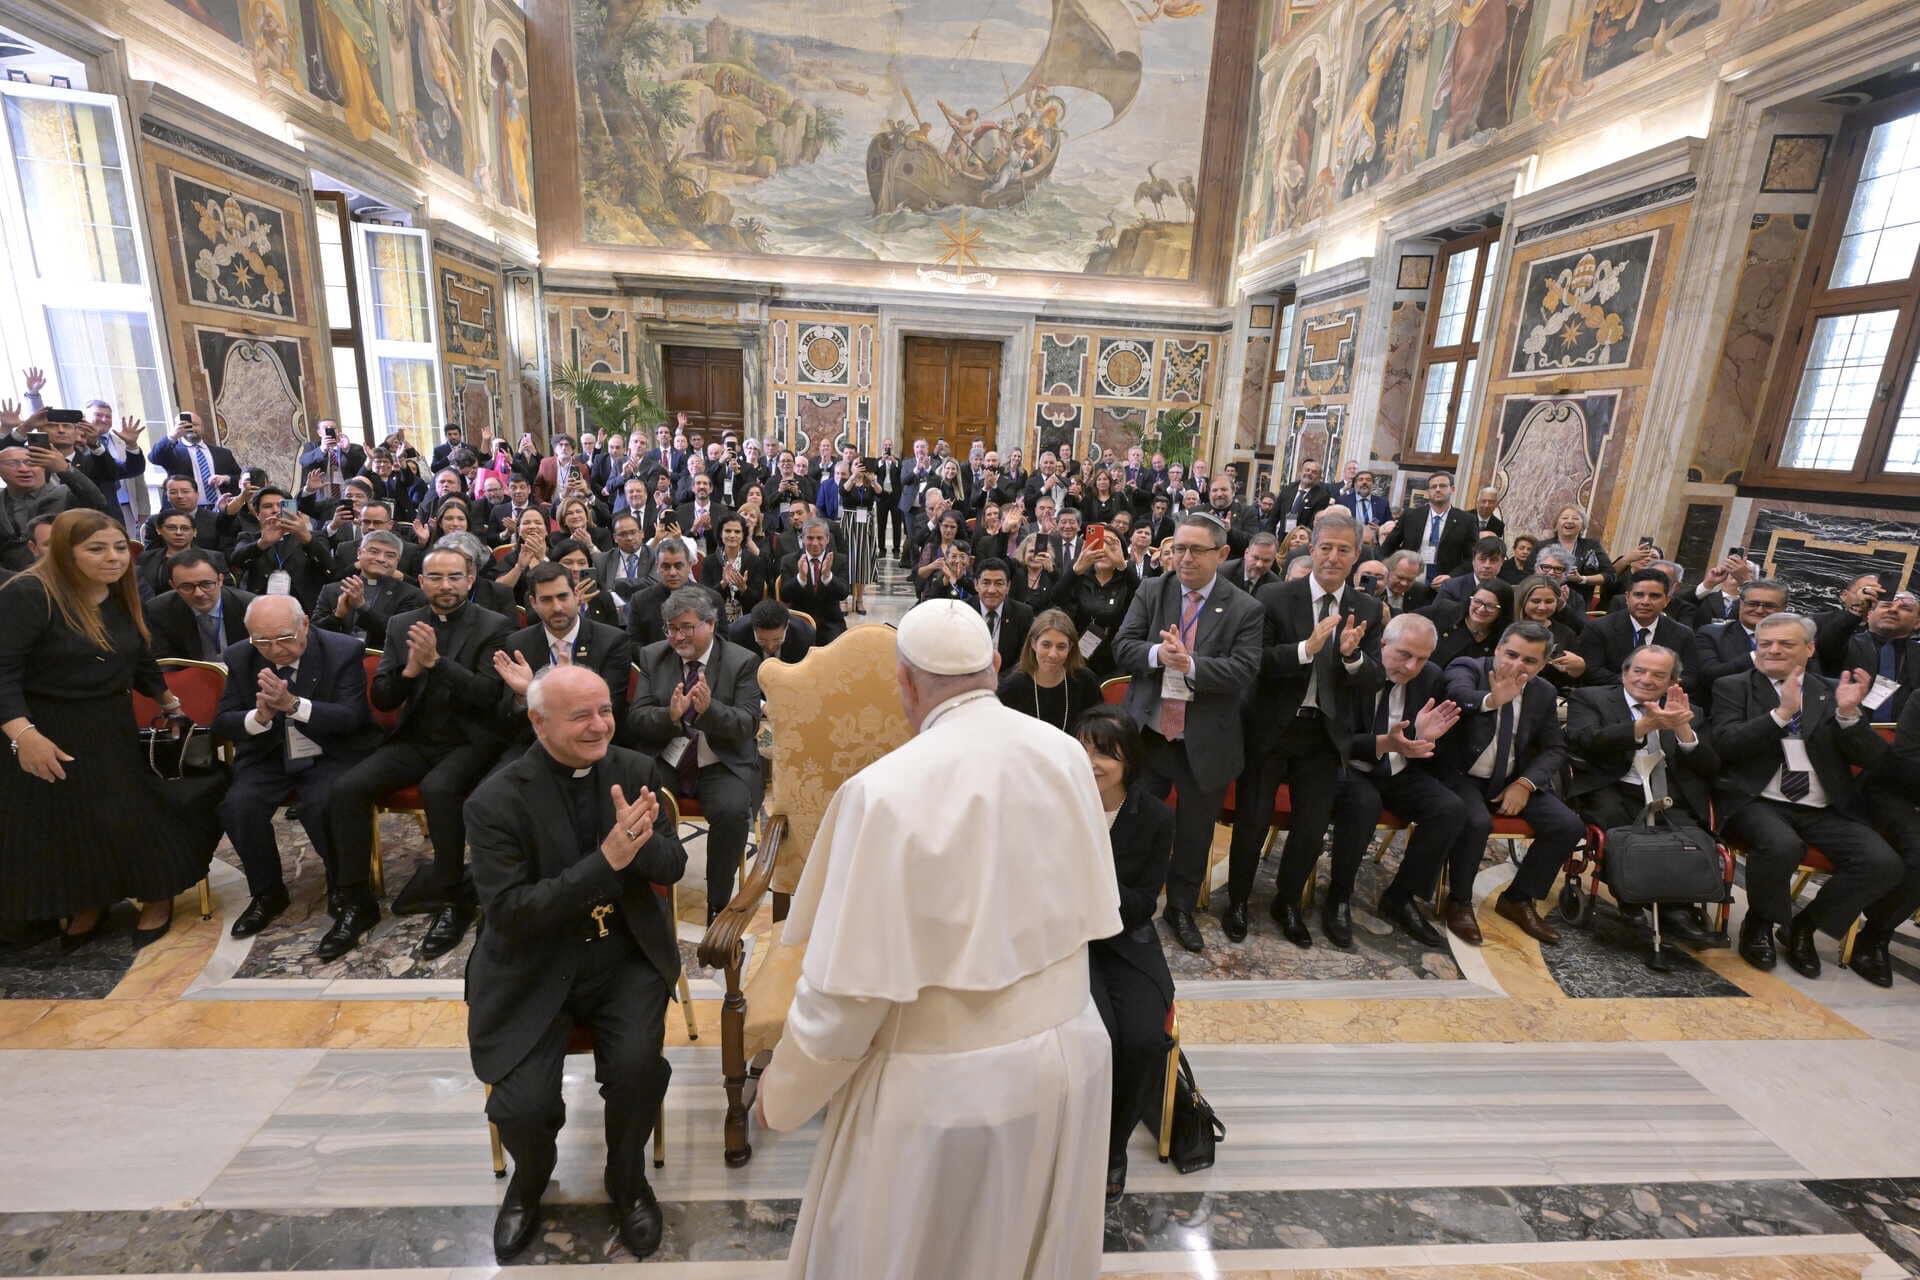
(279, 583)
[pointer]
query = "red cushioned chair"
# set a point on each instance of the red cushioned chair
(198, 685)
(405, 800)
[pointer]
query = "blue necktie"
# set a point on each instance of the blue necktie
(208, 493)
(1433, 531)
(1753, 641)
(1886, 659)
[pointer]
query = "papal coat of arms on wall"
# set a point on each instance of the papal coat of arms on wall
(234, 251)
(1581, 309)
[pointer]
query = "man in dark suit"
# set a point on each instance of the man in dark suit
(1787, 739)
(176, 535)
(1321, 654)
(1606, 642)
(443, 451)
(914, 472)
(696, 710)
(1191, 645)
(567, 851)
(282, 556)
(672, 570)
(562, 637)
(1008, 620)
(377, 517)
(295, 708)
(1833, 628)
(621, 568)
(700, 515)
(362, 603)
(808, 582)
(1254, 569)
(503, 518)
(212, 467)
(886, 474)
(772, 631)
(1307, 499)
(183, 496)
(1887, 649)
(1510, 745)
(332, 454)
(436, 670)
(1404, 590)
(201, 616)
(1438, 532)
(1721, 649)
(1366, 506)
(1892, 790)
(1489, 554)
(1486, 509)
(1393, 762)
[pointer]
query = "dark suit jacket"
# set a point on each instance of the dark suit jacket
(605, 650)
(1748, 740)
(313, 458)
(1459, 531)
(1720, 649)
(1142, 841)
(710, 540)
(461, 685)
(1289, 620)
(536, 890)
(177, 635)
(331, 676)
(1016, 619)
(1539, 749)
(644, 623)
(821, 603)
(1290, 502)
(494, 598)
(1601, 742)
(152, 575)
(1457, 588)
(1235, 571)
(308, 564)
(346, 556)
(369, 621)
(799, 639)
(1418, 596)
(1899, 771)
(1863, 652)
(206, 529)
(1372, 509)
(176, 460)
(731, 722)
(1607, 643)
(1226, 661)
(1715, 606)
(1429, 682)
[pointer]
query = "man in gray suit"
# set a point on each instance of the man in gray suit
(696, 708)
(1191, 643)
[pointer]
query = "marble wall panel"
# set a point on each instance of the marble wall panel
(807, 349)
(1395, 417)
(1550, 451)
(1819, 552)
(1731, 414)
(1253, 392)
(1091, 365)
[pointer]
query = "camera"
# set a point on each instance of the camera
(70, 417)
(1370, 583)
(38, 440)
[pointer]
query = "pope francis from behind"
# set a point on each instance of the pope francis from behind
(943, 1012)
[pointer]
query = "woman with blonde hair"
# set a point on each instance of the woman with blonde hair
(1053, 683)
(87, 823)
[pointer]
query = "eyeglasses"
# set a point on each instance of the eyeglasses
(682, 628)
(1486, 606)
(261, 642)
(197, 587)
(1190, 549)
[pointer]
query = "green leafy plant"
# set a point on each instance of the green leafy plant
(609, 406)
(1179, 432)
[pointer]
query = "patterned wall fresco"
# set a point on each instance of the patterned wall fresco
(237, 291)
(1094, 388)
(821, 376)
(472, 340)
(1326, 337)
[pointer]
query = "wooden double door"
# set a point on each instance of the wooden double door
(708, 384)
(952, 392)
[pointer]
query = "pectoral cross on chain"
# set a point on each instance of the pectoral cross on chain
(600, 914)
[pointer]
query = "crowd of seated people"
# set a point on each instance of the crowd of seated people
(1432, 665)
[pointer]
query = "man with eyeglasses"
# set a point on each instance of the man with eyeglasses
(201, 616)
(295, 708)
(696, 710)
(362, 603)
(1191, 645)
(1723, 649)
(436, 670)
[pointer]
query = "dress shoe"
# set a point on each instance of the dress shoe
(1756, 943)
(1677, 925)
(444, 934)
(518, 1219)
(1462, 924)
(1336, 921)
(357, 914)
(1234, 922)
(260, 913)
(1293, 922)
(1116, 1180)
(1801, 952)
(1521, 913)
(1406, 915)
(70, 941)
(1871, 961)
(641, 1223)
(1185, 931)
(147, 937)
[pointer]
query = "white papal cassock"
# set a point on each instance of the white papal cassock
(943, 1009)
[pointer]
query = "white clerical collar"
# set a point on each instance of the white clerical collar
(581, 773)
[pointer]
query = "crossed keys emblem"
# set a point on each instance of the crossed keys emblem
(600, 914)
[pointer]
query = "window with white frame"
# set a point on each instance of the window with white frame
(1277, 376)
(398, 331)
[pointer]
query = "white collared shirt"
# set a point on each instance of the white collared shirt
(1816, 797)
(302, 709)
(570, 641)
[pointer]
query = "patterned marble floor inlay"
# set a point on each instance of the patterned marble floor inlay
(42, 971)
(1608, 960)
(1884, 1210)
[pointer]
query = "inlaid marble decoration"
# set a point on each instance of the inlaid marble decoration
(1313, 435)
(1761, 296)
(1118, 429)
(254, 387)
(473, 391)
(1325, 359)
(1816, 569)
(469, 308)
(1549, 453)
(778, 368)
(1055, 426)
(1416, 271)
(602, 344)
(232, 251)
(823, 354)
(1253, 392)
(1063, 364)
(1828, 546)
(822, 415)
(1580, 310)
(1125, 368)
(1795, 163)
(1260, 316)
(1183, 370)
(1405, 325)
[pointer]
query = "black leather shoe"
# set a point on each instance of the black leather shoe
(1234, 923)
(1677, 925)
(641, 1223)
(143, 938)
(1185, 931)
(1410, 920)
(1293, 923)
(356, 915)
(444, 934)
(1872, 962)
(518, 1219)
(260, 913)
(1116, 1180)
(1336, 921)
(1756, 943)
(1801, 952)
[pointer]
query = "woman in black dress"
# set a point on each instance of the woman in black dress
(734, 573)
(1592, 579)
(1101, 503)
(1473, 631)
(1540, 599)
(86, 822)
(1095, 593)
(1131, 985)
(1052, 683)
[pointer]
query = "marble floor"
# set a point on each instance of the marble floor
(222, 1108)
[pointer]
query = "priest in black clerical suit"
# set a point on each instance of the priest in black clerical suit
(566, 856)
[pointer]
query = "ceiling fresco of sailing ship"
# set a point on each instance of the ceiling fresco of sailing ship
(958, 135)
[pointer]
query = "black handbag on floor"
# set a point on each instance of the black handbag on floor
(1195, 1127)
(1655, 861)
(178, 749)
